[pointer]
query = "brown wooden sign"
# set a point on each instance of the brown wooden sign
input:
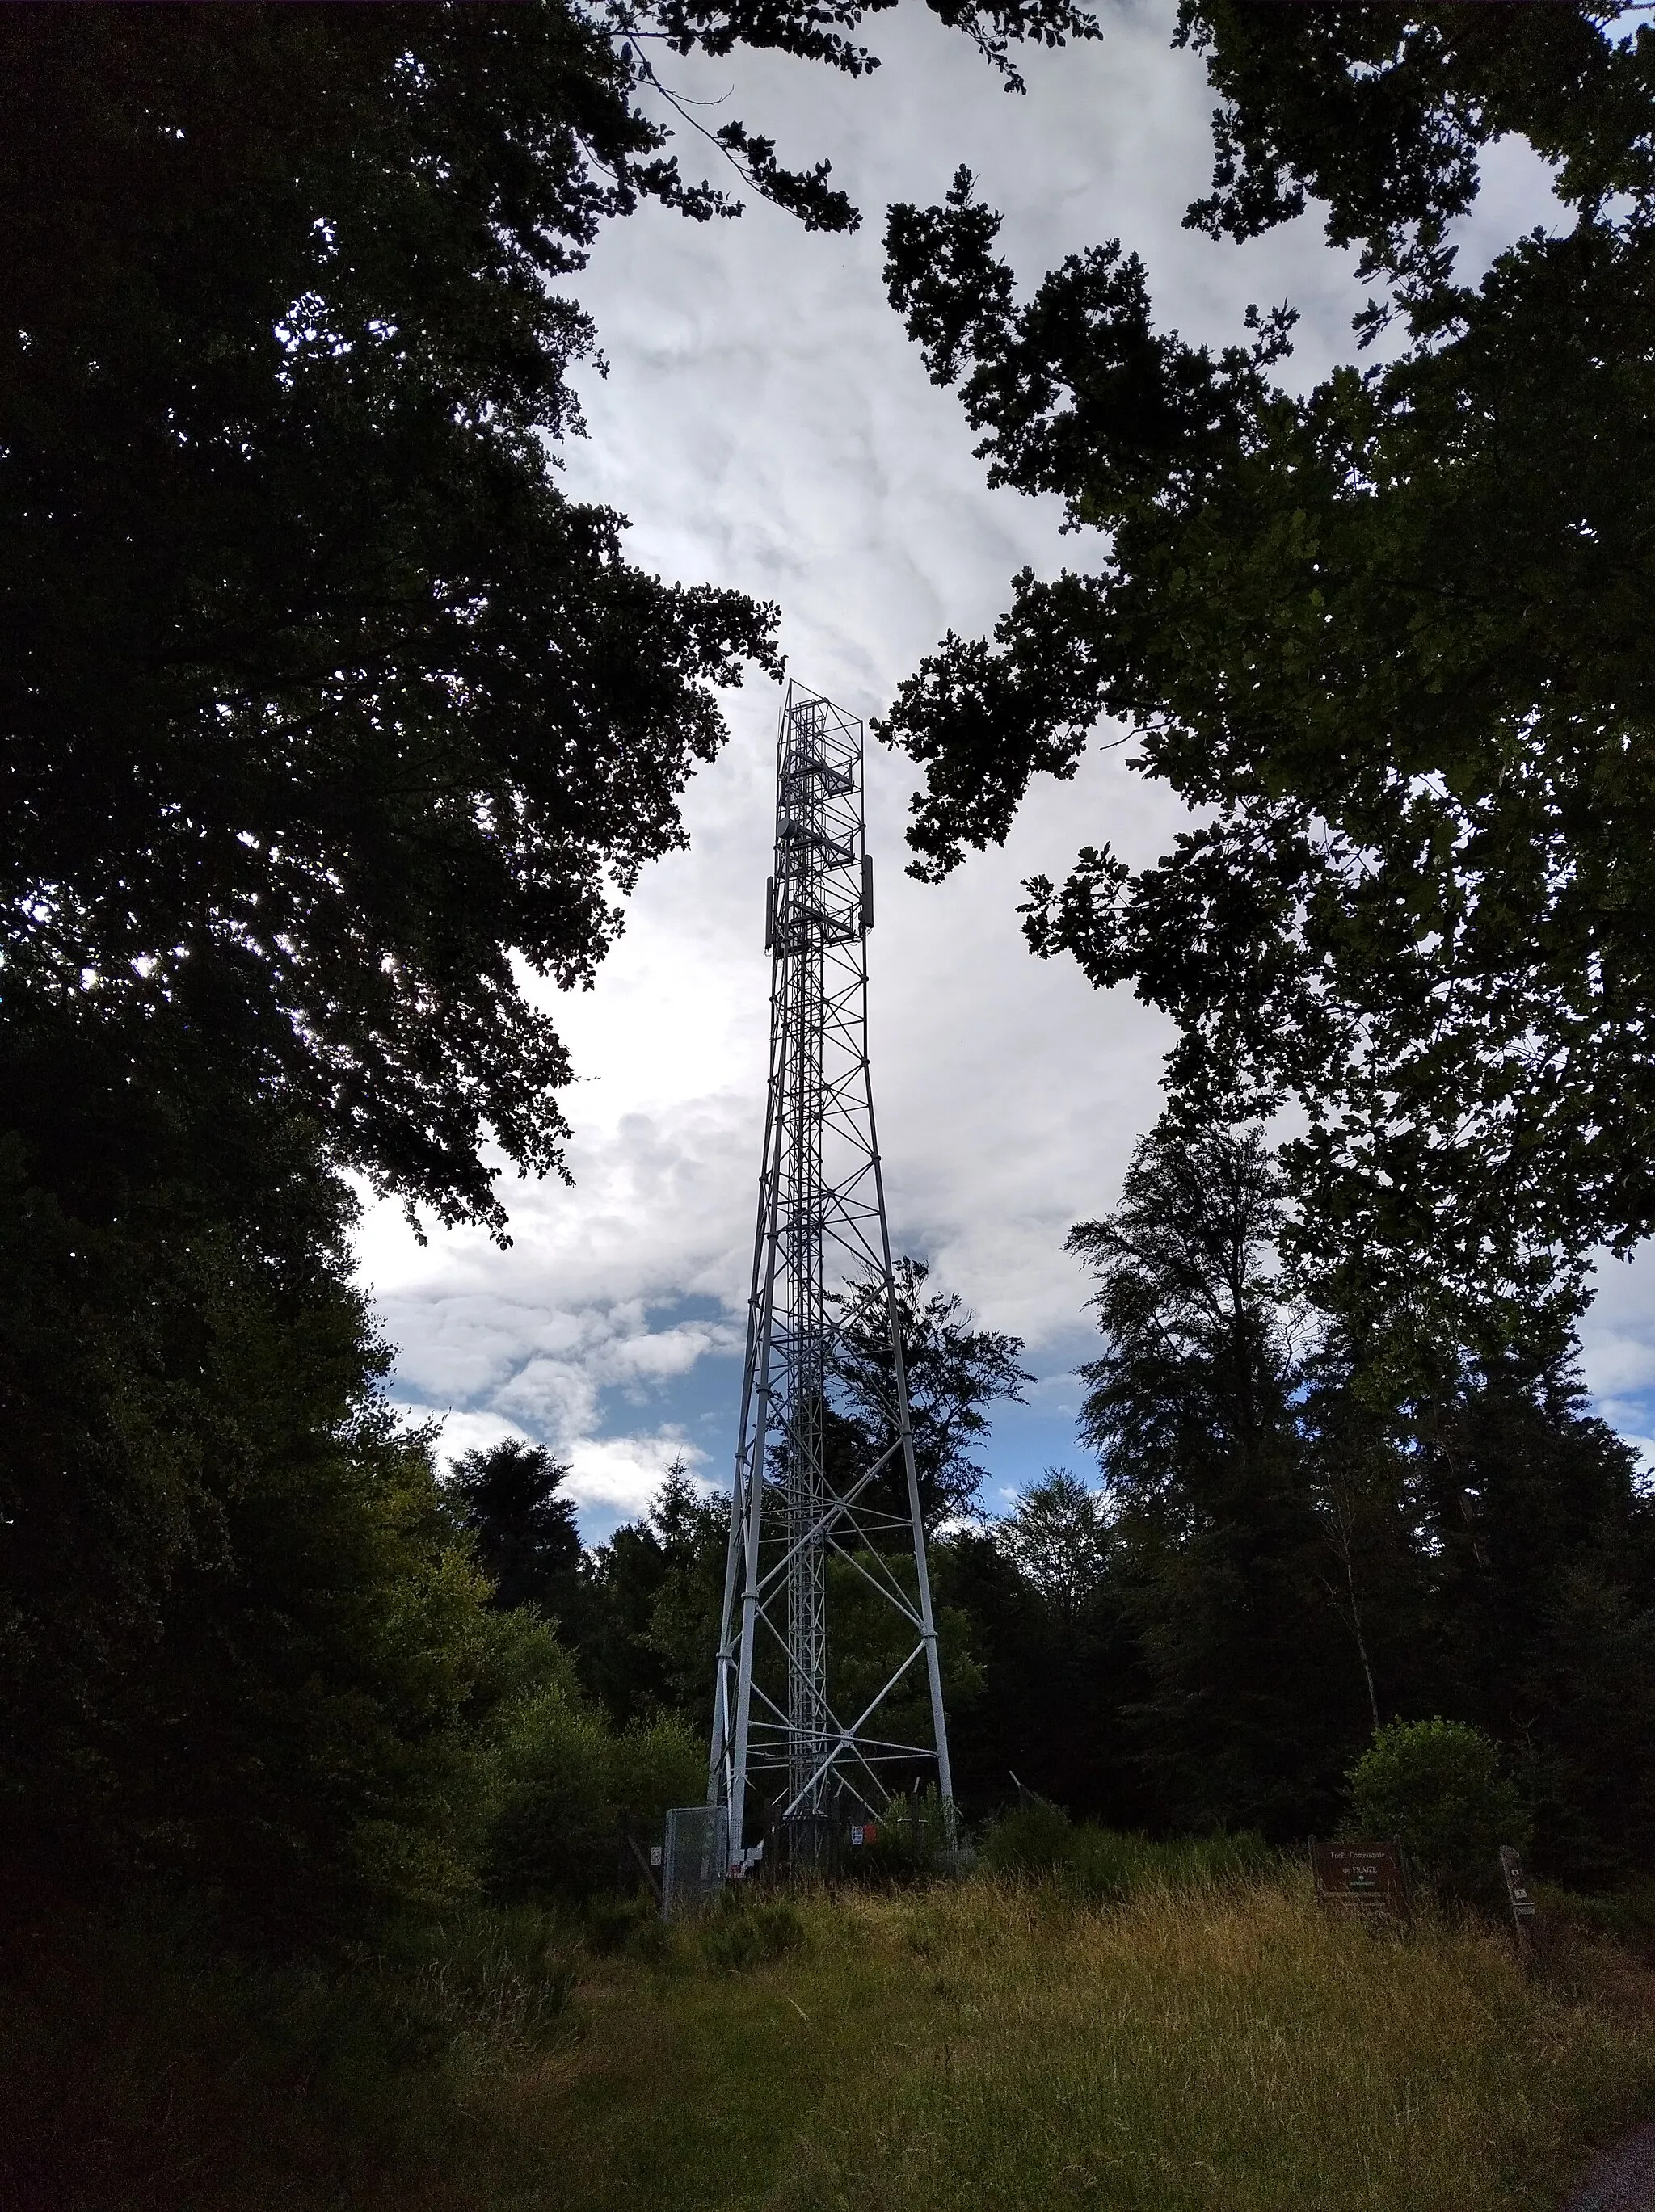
(1361, 1881)
(1517, 1892)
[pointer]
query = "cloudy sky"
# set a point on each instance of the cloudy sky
(765, 423)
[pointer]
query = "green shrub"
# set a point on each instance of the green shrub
(1437, 1788)
(650, 1940)
(651, 1765)
(1625, 1917)
(554, 1832)
(914, 1837)
(244, 1651)
(614, 1923)
(1037, 1838)
(570, 1789)
(1108, 1867)
(140, 2068)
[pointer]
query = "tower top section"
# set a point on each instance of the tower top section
(821, 888)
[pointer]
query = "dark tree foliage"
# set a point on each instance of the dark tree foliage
(1392, 637)
(650, 1625)
(1252, 1695)
(333, 730)
(1489, 1550)
(1543, 1573)
(1291, 1550)
(1058, 1538)
(321, 702)
(241, 1648)
(526, 1539)
(1195, 1368)
(1039, 1600)
(954, 1371)
(327, 715)
(825, 33)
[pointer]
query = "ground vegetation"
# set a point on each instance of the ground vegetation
(1014, 2041)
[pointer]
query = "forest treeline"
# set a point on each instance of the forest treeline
(335, 731)
(1279, 1560)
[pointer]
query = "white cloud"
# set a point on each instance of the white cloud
(459, 1433)
(619, 1476)
(656, 1354)
(1618, 1336)
(766, 424)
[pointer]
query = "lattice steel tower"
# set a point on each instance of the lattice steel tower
(823, 1522)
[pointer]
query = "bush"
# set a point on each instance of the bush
(1436, 1787)
(141, 2068)
(653, 1765)
(1037, 1838)
(553, 1833)
(914, 1837)
(612, 1924)
(244, 1651)
(650, 1940)
(1108, 1867)
(1625, 1918)
(571, 1789)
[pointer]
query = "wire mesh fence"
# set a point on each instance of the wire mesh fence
(696, 1861)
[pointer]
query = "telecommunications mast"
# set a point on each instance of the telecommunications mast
(808, 1715)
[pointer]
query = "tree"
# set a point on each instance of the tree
(1309, 1541)
(322, 702)
(1057, 1537)
(1541, 1556)
(331, 721)
(654, 1590)
(1588, 1773)
(693, 1530)
(1436, 1787)
(1040, 1599)
(1387, 635)
(572, 1790)
(242, 1651)
(954, 1371)
(1252, 1698)
(526, 1538)
(332, 729)
(1356, 1458)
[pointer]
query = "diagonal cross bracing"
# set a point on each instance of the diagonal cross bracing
(808, 1489)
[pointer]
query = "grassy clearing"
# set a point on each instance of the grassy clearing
(1229, 2050)
(1002, 2047)
(990, 2045)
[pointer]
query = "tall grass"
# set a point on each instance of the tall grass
(1207, 2041)
(1106, 1866)
(138, 2073)
(1220, 2048)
